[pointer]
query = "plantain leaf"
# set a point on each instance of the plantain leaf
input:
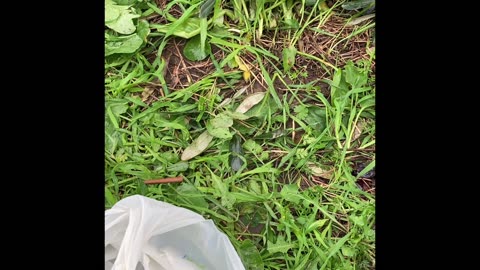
(119, 18)
(280, 246)
(193, 50)
(220, 132)
(189, 28)
(288, 55)
(124, 44)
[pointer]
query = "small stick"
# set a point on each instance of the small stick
(177, 179)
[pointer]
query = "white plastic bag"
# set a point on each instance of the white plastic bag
(142, 233)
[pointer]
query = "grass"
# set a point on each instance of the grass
(288, 179)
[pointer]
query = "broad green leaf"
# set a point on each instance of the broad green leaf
(255, 187)
(222, 133)
(315, 225)
(198, 145)
(124, 24)
(222, 121)
(169, 156)
(316, 118)
(219, 126)
(186, 16)
(250, 255)
(288, 55)
(161, 122)
(357, 220)
(335, 83)
(143, 30)
(250, 101)
(355, 76)
(112, 11)
(280, 246)
(301, 110)
(227, 198)
(292, 23)
(191, 194)
(117, 59)
(193, 50)
(339, 87)
(119, 108)
(348, 251)
(264, 156)
(253, 147)
(367, 101)
(219, 31)
(189, 28)
(126, 44)
(112, 137)
(290, 193)
(119, 18)
(111, 200)
(301, 220)
(252, 127)
(178, 167)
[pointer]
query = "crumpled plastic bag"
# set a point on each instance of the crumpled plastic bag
(143, 233)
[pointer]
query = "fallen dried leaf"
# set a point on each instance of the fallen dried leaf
(197, 146)
(318, 171)
(242, 66)
(360, 19)
(357, 130)
(250, 101)
(147, 92)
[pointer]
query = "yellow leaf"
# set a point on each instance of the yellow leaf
(243, 67)
(240, 63)
(246, 75)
